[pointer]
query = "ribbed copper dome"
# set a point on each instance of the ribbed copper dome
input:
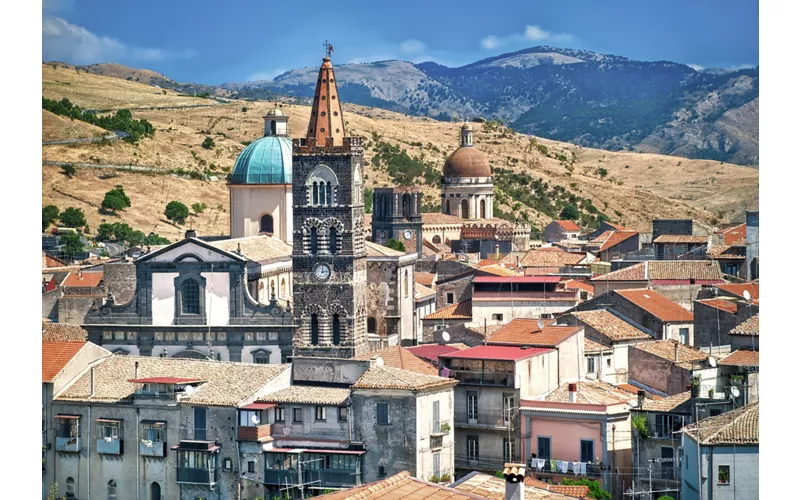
(467, 161)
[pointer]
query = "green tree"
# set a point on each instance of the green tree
(602, 172)
(68, 170)
(199, 208)
(665, 497)
(244, 109)
(208, 143)
(396, 245)
(176, 212)
(72, 217)
(49, 215)
(116, 199)
(71, 244)
(570, 211)
(368, 197)
(595, 491)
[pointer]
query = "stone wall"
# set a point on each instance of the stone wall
(461, 288)
(656, 372)
(119, 278)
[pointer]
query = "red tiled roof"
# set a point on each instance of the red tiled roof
(702, 271)
(571, 490)
(400, 357)
(56, 355)
(496, 352)
(612, 238)
(460, 310)
(741, 357)
(610, 325)
(748, 327)
(579, 285)
(721, 304)
(618, 227)
(433, 351)
(738, 289)
(734, 234)
(523, 331)
(426, 279)
(551, 257)
(165, 380)
(568, 225)
(681, 238)
(83, 280)
(489, 262)
(401, 486)
(62, 332)
(636, 272)
(666, 349)
(656, 304)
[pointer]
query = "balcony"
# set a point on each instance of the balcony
(477, 377)
(437, 442)
(280, 476)
(481, 462)
(255, 433)
(440, 427)
(109, 446)
(487, 419)
(197, 476)
(68, 444)
(333, 478)
(152, 448)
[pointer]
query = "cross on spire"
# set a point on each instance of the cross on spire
(328, 48)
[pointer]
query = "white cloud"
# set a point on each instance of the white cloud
(63, 41)
(265, 75)
(696, 67)
(532, 33)
(413, 46)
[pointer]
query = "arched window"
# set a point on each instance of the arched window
(329, 194)
(447, 207)
(155, 491)
(337, 330)
(405, 283)
(322, 181)
(112, 490)
(273, 128)
(315, 199)
(406, 206)
(464, 209)
(266, 224)
(314, 329)
(437, 239)
(190, 297)
(313, 241)
(483, 209)
(372, 325)
(261, 292)
(271, 290)
(70, 488)
(283, 287)
(387, 207)
(332, 241)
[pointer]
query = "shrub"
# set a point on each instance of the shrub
(208, 143)
(595, 491)
(570, 212)
(198, 208)
(49, 215)
(71, 244)
(602, 172)
(665, 497)
(68, 170)
(396, 245)
(639, 422)
(244, 109)
(72, 217)
(176, 212)
(116, 199)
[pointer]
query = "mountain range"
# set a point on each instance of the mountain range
(583, 97)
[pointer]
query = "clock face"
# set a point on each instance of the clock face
(407, 234)
(322, 272)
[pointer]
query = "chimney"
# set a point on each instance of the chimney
(91, 381)
(573, 393)
(191, 233)
(136, 370)
(515, 481)
(640, 398)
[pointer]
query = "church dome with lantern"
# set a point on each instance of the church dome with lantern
(267, 160)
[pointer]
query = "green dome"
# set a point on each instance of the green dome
(265, 161)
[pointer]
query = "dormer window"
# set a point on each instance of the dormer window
(162, 387)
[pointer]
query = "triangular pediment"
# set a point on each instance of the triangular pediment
(191, 250)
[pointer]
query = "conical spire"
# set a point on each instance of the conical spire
(326, 112)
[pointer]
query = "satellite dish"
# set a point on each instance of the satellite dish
(712, 361)
(633, 402)
(735, 391)
(746, 295)
(255, 419)
(540, 323)
(379, 361)
(189, 390)
(446, 336)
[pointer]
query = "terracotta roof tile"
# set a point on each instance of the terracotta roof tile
(375, 250)
(259, 248)
(636, 272)
(738, 289)
(741, 357)
(551, 258)
(668, 404)
(83, 280)
(748, 327)
(56, 355)
(310, 395)
(728, 306)
(568, 225)
(401, 486)
(386, 377)
(611, 325)
(437, 219)
(579, 285)
(432, 352)
(665, 349)
(727, 252)
(704, 270)
(738, 427)
(611, 239)
(228, 383)
(62, 332)
(656, 304)
(460, 310)
(618, 227)
(496, 270)
(426, 279)
(402, 358)
(496, 353)
(681, 238)
(590, 392)
(524, 331)
(735, 233)
(590, 345)
(422, 291)
(494, 488)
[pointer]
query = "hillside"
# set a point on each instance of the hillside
(636, 188)
(590, 99)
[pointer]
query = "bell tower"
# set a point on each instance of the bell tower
(329, 254)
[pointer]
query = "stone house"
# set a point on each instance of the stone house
(666, 367)
(496, 300)
(424, 304)
(745, 334)
(613, 245)
(390, 296)
(562, 230)
(716, 318)
(453, 289)
(678, 246)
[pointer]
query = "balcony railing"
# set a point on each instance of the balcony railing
(280, 476)
(478, 377)
(488, 419)
(592, 470)
(197, 476)
(68, 444)
(441, 427)
(152, 448)
(333, 478)
(482, 462)
(109, 446)
(437, 441)
(255, 433)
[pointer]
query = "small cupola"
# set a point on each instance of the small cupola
(276, 123)
(466, 135)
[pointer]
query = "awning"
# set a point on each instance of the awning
(110, 420)
(206, 446)
(316, 450)
(258, 406)
(154, 422)
(69, 416)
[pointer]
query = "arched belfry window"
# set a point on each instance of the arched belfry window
(372, 325)
(273, 127)
(314, 248)
(266, 224)
(322, 185)
(332, 241)
(464, 209)
(437, 239)
(336, 328)
(314, 329)
(447, 207)
(190, 297)
(406, 206)
(483, 209)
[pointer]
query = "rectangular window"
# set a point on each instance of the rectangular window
(200, 423)
(508, 409)
(667, 425)
(608, 362)
(108, 429)
(473, 453)
(472, 405)
(227, 464)
(251, 466)
(497, 317)
(319, 413)
(279, 414)
(590, 361)
(437, 464)
(381, 471)
(436, 423)
(543, 447)
(246, 418)
(154, 431)
(684, 333)
(667, 467)
(508, 450)
(67, 426)
(451, 298)
(724, 474)
(587, 450)
(297, 415)
(383, 413)
(342, 414)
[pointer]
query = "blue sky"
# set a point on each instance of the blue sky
(215, 42)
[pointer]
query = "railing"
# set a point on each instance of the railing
(281, 476)
(478, 377)
(437, 441)
(197, 476)
(488, 419)
(111, 447)
(68, 444)
(440, 427)
(523, 295)
(481, 462)
(594, 470)
(255, 433)
(279, 432)
(152, 448)
(332, 478)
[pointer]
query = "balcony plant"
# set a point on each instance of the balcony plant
(639, 422)
(736, 379)
(695, 386)
(710, 393)
(433, 479)
(445, 478)
(445, 427)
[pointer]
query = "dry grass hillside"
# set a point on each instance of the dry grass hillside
(637, 187)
